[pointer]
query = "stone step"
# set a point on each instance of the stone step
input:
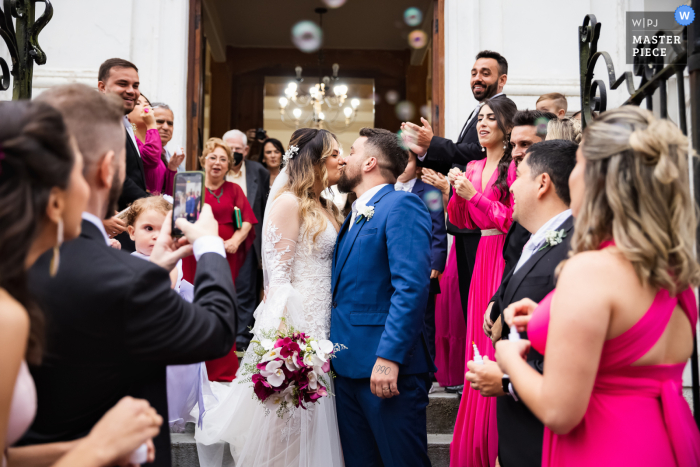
(442, 411)
(184, 450)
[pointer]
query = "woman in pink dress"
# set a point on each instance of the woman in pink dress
(159, 174)
(483, 201)
(618, 329)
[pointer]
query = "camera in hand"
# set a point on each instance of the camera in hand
(260, 134)
(188, 198)
(237, 158)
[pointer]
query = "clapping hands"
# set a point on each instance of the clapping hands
(417, 138)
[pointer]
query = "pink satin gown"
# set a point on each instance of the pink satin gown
(637, 415)
(475, 439)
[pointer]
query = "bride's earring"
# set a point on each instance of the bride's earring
(53, 268)
(505, 144)
(483, 149)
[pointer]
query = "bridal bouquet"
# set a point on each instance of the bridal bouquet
(289, 369)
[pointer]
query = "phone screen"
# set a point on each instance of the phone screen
(188, 198)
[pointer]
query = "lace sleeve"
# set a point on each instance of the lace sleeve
(280, 235)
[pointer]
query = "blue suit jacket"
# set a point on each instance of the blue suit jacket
(432, 198)
(381, 274)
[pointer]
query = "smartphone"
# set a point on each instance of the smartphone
(188, 197)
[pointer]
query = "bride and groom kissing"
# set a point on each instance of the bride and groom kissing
(361, 282)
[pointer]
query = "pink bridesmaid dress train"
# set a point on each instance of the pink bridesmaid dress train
(637, 415)
(475, 439)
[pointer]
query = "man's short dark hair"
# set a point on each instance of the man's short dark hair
(557, 159)
(106, 67)
(500, 59)
(391, 157)
(535, 118)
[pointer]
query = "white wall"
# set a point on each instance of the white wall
(151, 34)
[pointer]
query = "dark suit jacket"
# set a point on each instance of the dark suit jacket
(520, 433)
(257, 180)
(112, 326)
(443, 154)
(438, 247)
(516, 239)
(135, 182)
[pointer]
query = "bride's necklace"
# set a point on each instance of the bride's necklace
(218, 197)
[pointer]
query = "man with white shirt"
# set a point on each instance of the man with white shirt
(115, 322)
(541, 205)
(488, 77)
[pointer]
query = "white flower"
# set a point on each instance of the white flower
(313, 380)
(322, 348)
(318, 365)
(291, 362)
(553, 237)
(364, 211)
(309, 359)
(273, 373)
(278, 397)
(271, 355)
(267, 344)
(291, 152)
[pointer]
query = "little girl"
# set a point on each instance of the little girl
(144, 220)
(186, 384)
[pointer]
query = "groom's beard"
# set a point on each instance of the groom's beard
(346, 183)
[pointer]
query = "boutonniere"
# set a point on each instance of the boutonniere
(553, 237)
(364, 211)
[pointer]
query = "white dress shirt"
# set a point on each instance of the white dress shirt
(238, 178)
(408, 186)
(537, 240)
(363, 200)
(130, 132)
(94, 220)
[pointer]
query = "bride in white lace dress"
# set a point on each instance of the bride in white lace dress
(299, 235)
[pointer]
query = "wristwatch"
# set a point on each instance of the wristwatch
(505, 381)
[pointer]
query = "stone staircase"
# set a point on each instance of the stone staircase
(441, 415)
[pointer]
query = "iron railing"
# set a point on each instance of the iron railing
(23, 43)
(654, 75)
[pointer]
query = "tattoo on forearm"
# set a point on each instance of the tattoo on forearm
(380, 369)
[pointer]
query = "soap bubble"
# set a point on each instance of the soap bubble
(425, 111)
(334, 3)
(541, 125)
(307, 36)
(392, 97)
(376, 98)
(404, 139)
(413, 16)
(417, 39)
(433, 199)
(405, 111)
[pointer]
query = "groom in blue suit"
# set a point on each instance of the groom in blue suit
(381, 276)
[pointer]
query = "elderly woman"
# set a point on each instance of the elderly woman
(224, 197)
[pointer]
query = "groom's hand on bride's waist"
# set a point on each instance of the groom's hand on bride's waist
(383, 382)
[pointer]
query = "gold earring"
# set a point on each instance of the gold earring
(53, 268)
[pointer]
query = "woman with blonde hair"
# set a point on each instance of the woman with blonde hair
(299, 235)
(619, 327)
(564, 128)
(224, 197)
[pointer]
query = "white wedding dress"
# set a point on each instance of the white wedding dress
(298, 287)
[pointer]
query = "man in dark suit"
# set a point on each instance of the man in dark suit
(529, 127)
(432, 198)
(488, 77)
(254, 180)
(541, 194)
(113, 321)
(121, 78)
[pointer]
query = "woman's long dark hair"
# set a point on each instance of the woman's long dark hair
(504, 110)
(276, 143)
(35, 157)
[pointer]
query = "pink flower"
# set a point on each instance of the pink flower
(289, 348)
(283, 342)
(262, 389)
(326, 367)
(322, 391)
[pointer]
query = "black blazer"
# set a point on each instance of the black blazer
(257, 180)
(135, 182)
(443, 154)
(112, 326)
(516, 239)
(520, 433)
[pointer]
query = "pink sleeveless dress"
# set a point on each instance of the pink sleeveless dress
(637, 415)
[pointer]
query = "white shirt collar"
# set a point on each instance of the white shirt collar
(94, 220)
(408, 186)
(368, 195)
(551, 224)
(130, 132)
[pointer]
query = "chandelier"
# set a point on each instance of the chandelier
(323, 107)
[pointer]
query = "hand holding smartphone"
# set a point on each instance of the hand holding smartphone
(188, 198)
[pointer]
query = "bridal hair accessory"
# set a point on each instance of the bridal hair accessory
(53, 268)
(366, 212)
(289, 369)
(553, 237)
(291, 152)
